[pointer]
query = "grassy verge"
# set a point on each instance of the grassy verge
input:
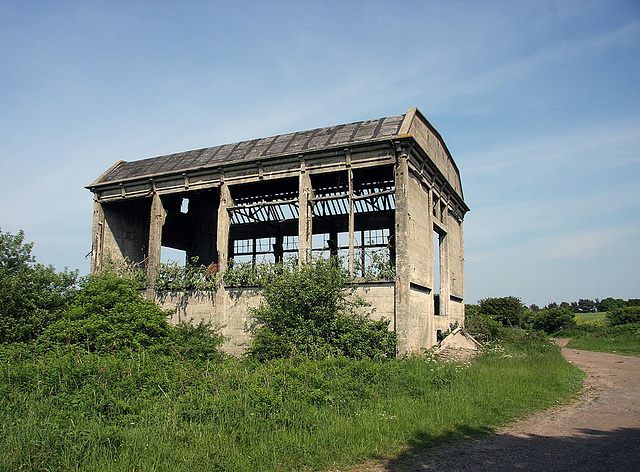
(70, 410)
(621, 339)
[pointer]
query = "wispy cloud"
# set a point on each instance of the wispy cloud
(609, 145)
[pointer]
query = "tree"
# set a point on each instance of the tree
(506, 310)
(14, 253)
(610, 303)
(586, 306)
(32, 296)
(310, 309)
(552, 320)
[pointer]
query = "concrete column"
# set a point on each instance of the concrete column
(158, 216)
(97, 237)
(402, 256)
(305, 216)
(223, 227)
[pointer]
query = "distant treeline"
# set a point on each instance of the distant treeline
(584, 305)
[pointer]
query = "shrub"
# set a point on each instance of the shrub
(552, 319)
(481, 325)
(508, 311)
(108, 314)
(247, 274)
(32, 296)
(198, 342)
(310, 309)
(626, 315)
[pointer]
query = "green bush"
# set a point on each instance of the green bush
(247, 274)
(552, 319)
(108, 314)
(32, 296)
(622, 329)
(197, 342)
(509, 311)
(310, 309)
(620, 316)
(481, 325)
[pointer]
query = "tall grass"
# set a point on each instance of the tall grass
(72, 410)
(621, 339)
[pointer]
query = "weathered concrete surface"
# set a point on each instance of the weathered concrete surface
(230, 309)
(393, 176)
(600, 432)
(458, 345)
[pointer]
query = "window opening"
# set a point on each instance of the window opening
(373, 219)
(184, 206)
(170, 255)
(437, 273)
(264, 224)
(189, 231)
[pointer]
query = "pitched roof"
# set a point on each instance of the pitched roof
(255, 149)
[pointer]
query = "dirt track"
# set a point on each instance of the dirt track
(600, 432)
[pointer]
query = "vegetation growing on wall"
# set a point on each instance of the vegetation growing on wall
(175, 277)
(311, 309)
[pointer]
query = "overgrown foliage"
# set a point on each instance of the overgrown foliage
(310, 309)
(620, 316)
(108, 314)
(67, 409)
(552, 319)
(181, 278)
(247, 274)
(32, 295)
(374, 263)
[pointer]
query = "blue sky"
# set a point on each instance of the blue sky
(538, 102)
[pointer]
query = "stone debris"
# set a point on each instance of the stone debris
(458, 345)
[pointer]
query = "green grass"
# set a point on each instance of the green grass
(77, 411)
(591, 317)
(621, 339)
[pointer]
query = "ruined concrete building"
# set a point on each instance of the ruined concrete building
(380, 190)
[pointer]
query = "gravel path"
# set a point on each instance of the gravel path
(599, 432)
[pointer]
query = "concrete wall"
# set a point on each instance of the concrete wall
(121, 230)
(380, 299)
(230, 309)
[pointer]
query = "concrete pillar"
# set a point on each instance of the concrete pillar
(223, 227)
(97, 237)
(402, 255)
(305, 215)
(158, 216)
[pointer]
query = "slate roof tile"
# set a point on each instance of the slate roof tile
(257, 149)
